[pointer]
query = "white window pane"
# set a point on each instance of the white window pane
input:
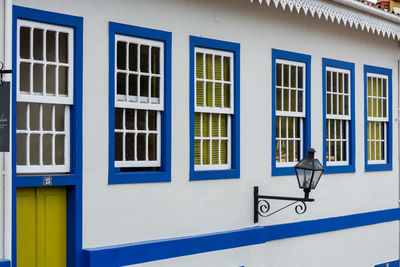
(133, 85)
(141, 119)
(21, 116)
(155, 60)
(34, 119)
(63, 47)
(152, 120)
(60, 143)
(51, 46)
(21, 149)
(141, 147)
(38, 44)
(63, 80)
(300, 77)
(47, 117)
(121, 55)
(300, 101)
(152, 146)
(121, 83)
(24, 77)
(286, 75)
(25, 40)
(133, 56)
(144, 58)
(38, 78)
(34, 148)
(293, 100)
(47, 149)
(51, 79)
(60, 117)
(227, 94)
(227, 68)
(130, 146)
(144, 88)
(129, 119)
(118, 146)
(278, 75)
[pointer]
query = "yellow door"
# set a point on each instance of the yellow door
(41, 227)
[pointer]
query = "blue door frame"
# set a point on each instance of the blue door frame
(73, 180)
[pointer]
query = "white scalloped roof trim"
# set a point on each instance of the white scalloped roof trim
(338, 14)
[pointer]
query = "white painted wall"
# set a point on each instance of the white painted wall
(117, 214)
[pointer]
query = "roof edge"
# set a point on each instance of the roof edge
(369, 9)
(346, 12)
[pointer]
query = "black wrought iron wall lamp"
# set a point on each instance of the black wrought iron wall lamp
(308, 172)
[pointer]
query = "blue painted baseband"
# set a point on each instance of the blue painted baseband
(5, 263)
(147, 251)
(389, 264)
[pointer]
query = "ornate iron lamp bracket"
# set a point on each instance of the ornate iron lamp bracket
(2, 72)
(262, 206)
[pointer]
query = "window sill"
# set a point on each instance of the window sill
(339, 169)
(214, 175)
(378, 167)
(138, 177)
(282, 171)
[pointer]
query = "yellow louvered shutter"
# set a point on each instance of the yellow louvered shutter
(213, 111)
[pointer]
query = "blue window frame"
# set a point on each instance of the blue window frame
(378, 118)
(291, 109)
(139, 104)
(338, 116)
(214, 109)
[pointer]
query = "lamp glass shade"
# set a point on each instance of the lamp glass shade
(317, 175)
(304, 177)
(309, 171)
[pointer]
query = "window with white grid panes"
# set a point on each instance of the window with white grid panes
(377, 106)
(290, 111)
(44, 96)
(338, 116)
(213, 109)
(139, 101)
(45, 63)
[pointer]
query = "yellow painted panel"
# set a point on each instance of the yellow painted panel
(26, 227)
(49, 230)
(52, 207)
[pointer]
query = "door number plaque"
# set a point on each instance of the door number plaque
(47, 180)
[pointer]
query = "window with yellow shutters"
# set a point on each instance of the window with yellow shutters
(213, 109)
(377, 106)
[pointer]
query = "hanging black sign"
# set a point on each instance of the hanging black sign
(5, 117)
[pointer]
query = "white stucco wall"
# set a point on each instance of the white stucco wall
(117, 214)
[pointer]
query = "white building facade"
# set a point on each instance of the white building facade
(139, 130)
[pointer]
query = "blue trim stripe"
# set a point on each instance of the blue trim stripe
(164, 174)
(141, 252)
(389, 264)
(326, 62)
(389, 143)
(5, 263)
(234, 172)
(286, 55)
